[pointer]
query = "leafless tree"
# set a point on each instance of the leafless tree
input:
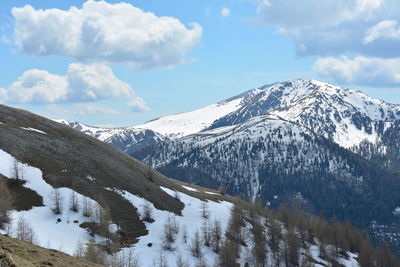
(24, 231)
(17, 171)
(184, 234)
(147, 212)
(169, 234)
(204, 210)
(195, 246)
(73, 202)
(260, 243)
(57, 201)
(216, 235)
(80, 250)
(227, 254)
(94, 253)
(180, 262)
(86, 207)
(206, 232)
(124, 259)
(161, 260)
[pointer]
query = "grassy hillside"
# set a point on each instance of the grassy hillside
(17, 253)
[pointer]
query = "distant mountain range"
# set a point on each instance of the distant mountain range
(301, 142)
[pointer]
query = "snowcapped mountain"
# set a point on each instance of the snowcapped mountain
(345, 116)
(128, 140)
(183, 124)
(71, 192)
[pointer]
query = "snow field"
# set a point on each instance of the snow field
(190, 222)
(63, 236)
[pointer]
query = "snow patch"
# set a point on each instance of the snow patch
(189, 188)
(33, 130)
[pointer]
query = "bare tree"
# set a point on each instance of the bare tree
(57, 201)
(103, 219)
(169, 234)
(147, 212)
(17, 171)
(184, 234)
(275, 235)
(80, 250)
(227, 254)
(94, 253)
(216, 235)
(260, 243)
(204, 210)
(24, 231)
(195, 246)
(236, 222)
(293, 247)
(206, 232)
(86, 207)
(124, 259)
(130, 259)
(161, 260)
(73, 202)
(180, 262)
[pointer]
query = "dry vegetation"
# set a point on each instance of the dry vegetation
(23, 254)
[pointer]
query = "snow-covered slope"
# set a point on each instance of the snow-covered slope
(183, 124)
(238, 155)
(277, 161)
(63, 235)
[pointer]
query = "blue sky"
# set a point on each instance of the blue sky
(74, 64)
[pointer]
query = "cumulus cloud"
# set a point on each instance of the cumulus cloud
(336, 26)
(225, 12)
(360, 70)
(82, 83)
(100, 31)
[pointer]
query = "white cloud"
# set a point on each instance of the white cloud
(82, 109)
(360, 70)
(387, 29)
(82, 83)
(37, 86)
(336, 26)
(101, 31)
(225, 12)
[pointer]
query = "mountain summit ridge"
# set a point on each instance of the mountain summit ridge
(344, 116)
